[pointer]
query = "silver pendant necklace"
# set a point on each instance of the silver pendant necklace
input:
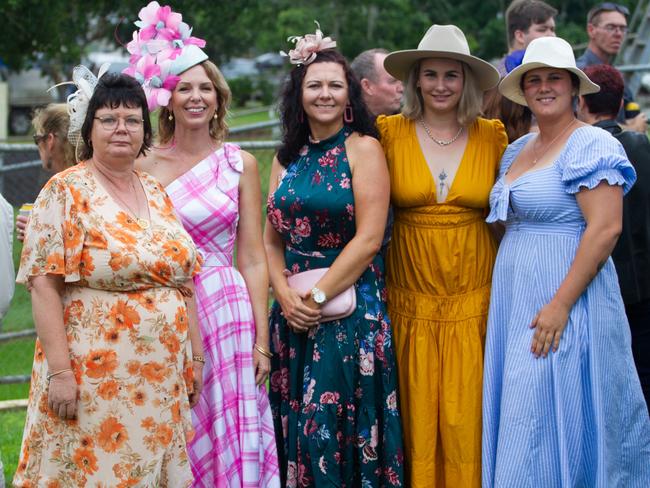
(440, 142)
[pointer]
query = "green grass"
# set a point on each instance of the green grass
(236, 120)
(11, 433)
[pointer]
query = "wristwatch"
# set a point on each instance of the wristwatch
(318, 296)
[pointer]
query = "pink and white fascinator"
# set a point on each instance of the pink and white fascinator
(162, 49)
(308, 46)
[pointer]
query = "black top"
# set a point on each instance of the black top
(632, 252)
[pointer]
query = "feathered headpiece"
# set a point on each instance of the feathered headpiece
(308, 46)
(162, 49)
(77, 102)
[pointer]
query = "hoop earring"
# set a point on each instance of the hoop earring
(348, 114)
(171, 116)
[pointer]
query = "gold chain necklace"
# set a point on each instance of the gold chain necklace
(548, 146)
(143, 223)
(440, 142)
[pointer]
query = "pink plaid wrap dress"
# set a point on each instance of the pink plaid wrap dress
(234, 445)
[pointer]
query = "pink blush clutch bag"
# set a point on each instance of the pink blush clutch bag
(338, 307)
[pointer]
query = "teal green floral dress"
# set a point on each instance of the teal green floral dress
(334, 389)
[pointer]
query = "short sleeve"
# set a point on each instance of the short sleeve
(595, 156)
(54, 236)
(383, 128)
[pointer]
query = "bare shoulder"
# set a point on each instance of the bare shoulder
(250, 162)
(364, 151)
(147, 162)
(359, 143)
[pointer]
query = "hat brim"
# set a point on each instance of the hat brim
(510, 86)
(399, 63)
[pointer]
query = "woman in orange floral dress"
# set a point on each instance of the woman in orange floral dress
(110, 272)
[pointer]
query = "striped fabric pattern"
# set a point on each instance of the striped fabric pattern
(234, 444)
(576, 418)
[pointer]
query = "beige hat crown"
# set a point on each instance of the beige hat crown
(442, 41)
(544, 52)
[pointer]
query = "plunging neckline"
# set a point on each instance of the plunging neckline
(470, 130)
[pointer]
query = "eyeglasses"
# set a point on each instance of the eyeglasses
(38, 138)
(611, 28)
(607, 7)
(109, 122)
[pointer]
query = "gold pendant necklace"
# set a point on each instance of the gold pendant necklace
(440, 142)
(548, 146)
(142, 223)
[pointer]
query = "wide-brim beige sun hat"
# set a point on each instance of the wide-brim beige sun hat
(544, 52)
(442, 41)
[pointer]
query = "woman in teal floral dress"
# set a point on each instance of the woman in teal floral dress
(333, 384)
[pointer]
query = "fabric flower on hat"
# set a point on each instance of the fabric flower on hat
(157, 20)
(162, 37)
(308, 46)
(155, 79)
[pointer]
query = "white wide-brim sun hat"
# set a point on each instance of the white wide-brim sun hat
(544, 52)
(442, 41)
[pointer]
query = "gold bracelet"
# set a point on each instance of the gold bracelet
(57, 373)
(198, 358)
(263, 351)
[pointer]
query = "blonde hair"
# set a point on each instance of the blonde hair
(469, 105)
(218, 126)
(54, 119)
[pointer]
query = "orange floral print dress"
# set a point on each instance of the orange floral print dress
(127, 329)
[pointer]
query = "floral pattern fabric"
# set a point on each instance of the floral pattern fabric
(127, 328)
(334, 389)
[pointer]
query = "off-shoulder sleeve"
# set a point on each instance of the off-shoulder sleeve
(595, 156)
(54, 236)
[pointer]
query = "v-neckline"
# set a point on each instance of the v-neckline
(461, 164)
(119, 205)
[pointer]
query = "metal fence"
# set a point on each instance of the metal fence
(21, 178)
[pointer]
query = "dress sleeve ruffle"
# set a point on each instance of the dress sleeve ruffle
(233, 157)
(596, 156)
(54, 236)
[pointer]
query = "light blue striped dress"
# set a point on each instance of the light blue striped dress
(578, 417)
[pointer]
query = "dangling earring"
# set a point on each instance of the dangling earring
(348, 115)
(215, 116)
(171, 116)
(301, 116)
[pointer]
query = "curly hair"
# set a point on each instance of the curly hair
(218, 126)
(608, 100)
(295, 126)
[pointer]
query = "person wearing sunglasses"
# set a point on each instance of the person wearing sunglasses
(606, 28)
(51, 138)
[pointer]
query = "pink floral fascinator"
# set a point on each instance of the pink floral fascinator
(162, 49)
(308, 47)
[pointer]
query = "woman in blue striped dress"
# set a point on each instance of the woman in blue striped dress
(562, 403)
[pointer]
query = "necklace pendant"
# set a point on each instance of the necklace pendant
(143, 223)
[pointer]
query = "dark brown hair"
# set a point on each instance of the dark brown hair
(114, 90)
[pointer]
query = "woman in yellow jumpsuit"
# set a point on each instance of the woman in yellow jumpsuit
(443, 160)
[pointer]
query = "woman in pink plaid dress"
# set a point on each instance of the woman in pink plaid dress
(215, 189)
